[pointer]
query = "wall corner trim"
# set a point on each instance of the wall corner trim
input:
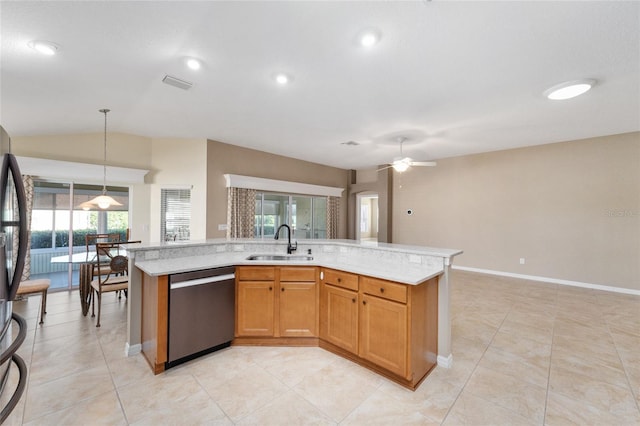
(445, 361)
(262, 184)
(131, 350)
(551, 280)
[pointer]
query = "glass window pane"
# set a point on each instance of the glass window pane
(302, 216)
(276, 212)
(319, 217)
(175, 214)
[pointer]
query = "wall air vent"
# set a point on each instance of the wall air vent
(176, 82)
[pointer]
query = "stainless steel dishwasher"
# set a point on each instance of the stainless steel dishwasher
(201, 313)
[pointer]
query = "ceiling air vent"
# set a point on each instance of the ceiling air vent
(176, 82)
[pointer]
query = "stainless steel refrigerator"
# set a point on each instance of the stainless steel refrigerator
(13, 249)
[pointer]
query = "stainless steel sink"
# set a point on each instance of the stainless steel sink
(279, 257)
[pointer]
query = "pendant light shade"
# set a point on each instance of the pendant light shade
(102, 201)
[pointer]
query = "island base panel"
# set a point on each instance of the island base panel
(410, 384)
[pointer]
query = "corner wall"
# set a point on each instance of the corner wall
(223, 158)
(179, 163)
(570, 209)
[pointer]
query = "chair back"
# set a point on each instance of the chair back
(92, 240)
(110, 263)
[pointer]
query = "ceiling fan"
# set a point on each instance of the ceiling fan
(402, 163)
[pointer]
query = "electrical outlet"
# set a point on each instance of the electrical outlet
(522, 260)
(222, 227)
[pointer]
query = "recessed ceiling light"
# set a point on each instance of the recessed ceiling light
(369, 37)
(193, 64)
(44, 47)
(569, 89)
(282, 78)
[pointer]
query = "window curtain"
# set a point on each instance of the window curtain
(333, 211)
(28, 189)
(241, 210)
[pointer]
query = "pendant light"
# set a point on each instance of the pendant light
(102, 201)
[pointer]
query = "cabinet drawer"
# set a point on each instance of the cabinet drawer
(341, 279)
(384, 289)
(298, 273)
(256, 273)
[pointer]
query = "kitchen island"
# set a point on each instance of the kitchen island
(408, 274)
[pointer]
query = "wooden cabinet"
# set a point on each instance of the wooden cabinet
(298, 304)
(255, 297)
(399, 326)
(276, 301)
(339, 309)
(383, 333)
(384, 325)
(387, 326)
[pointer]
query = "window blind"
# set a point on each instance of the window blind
(175, 211)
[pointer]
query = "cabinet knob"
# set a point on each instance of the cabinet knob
(381, 289)
(339, 280)
(353, 300)
(282, 289)
(270, 288)
(364, 302)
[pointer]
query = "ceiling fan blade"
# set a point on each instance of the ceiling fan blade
(384, 168)
(424, 163)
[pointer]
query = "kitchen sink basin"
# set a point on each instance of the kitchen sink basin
(279, 257)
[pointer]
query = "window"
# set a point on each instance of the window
(59, 227)
(175, 211)
(307, 215)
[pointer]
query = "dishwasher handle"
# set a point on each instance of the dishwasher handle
(200, 281)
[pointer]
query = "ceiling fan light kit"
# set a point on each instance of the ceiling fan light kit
(402, 164)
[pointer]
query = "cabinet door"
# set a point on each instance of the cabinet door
(339, 317)
(298, 309)
(383, 334)
(254, 308)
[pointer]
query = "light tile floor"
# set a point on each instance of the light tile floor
(524, 353)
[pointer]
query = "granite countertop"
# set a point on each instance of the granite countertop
(407, 266)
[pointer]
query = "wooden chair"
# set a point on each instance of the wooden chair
(36, 286)
(116, 279)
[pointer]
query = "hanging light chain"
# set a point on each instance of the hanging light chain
(104, 164)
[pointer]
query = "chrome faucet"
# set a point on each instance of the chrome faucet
(290, 247)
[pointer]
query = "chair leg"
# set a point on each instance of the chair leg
(43, 304)
(93, 303)
(99, 307)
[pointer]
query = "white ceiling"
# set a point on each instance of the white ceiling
(454, 77)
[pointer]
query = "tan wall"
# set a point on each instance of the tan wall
(223, 158)
(571, 209)
(179, 163)
(123, 150)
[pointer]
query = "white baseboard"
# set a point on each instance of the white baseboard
(550, 280)
(445, 361)
(132, 350)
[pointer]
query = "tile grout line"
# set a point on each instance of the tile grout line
(444, 419)
(553, 332)
(624, 368)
